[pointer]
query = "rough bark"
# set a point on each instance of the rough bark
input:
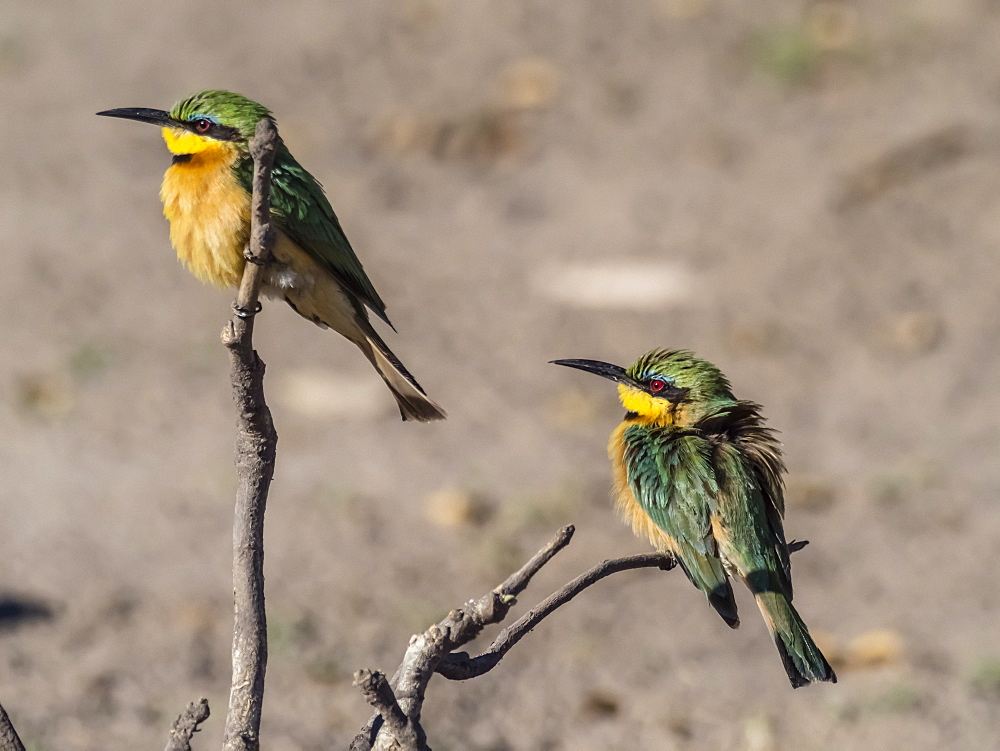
(256, 443)
(9, 740)
(398, 703)
(186, 725)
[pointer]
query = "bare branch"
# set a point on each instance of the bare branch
(9, 741)
(379, 694)
(256, 443)
(426, 650)
(186, 725)
(459, 666)
(520, 579)
(433, 651)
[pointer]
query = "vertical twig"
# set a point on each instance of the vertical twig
(256, 441)
(8, 736)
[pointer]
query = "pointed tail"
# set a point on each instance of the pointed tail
(802, 659)
(413, 403)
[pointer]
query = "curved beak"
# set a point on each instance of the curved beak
(603, 369)
(141, 114)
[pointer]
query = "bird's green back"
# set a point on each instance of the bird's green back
(298, 202)
(726, 466)
(303, 212)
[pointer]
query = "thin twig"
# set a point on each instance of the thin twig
(460, 627)
(398, 703)
(9, 740)
(459, 666)
(255, 452)
(186, 725)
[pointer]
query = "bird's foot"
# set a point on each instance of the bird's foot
(251, 258)
(244, 313)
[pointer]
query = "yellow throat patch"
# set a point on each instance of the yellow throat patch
(650, 409)
(208, 210)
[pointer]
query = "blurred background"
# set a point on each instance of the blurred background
(803, 192)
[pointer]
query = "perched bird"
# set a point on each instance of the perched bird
(696, 472)
(206, 196)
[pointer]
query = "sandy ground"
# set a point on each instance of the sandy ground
(804, 193)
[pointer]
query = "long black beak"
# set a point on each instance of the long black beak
(143, 115)
(604, 369)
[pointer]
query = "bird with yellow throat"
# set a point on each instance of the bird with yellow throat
(206, 196)
(697, 472)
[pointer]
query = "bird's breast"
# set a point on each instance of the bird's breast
(629, 508)
(209, 214)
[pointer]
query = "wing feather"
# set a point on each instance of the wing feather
(304, 213)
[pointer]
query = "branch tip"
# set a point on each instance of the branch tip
(186, 725)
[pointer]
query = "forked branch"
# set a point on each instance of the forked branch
(434, 650)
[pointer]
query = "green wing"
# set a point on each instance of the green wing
(749, 469)
(749, 506)
(305, 215)
(671, 475)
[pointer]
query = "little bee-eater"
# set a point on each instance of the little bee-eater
(698, 473)
(206, 196)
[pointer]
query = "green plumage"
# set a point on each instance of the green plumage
(707, 472)
(298, 203)
(313, 266)
(681, 506)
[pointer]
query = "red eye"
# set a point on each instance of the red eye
(202, 125)
(657, 385)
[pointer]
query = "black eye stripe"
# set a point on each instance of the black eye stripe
(214, 130)
(664, 388)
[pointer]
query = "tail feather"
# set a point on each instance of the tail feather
(707, 573)
(803, 661)
(413, 402)
(329, 305)
(724, 602)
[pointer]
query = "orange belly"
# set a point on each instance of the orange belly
(209, 214)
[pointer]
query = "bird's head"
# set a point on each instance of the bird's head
(203, 121)
(666, 387)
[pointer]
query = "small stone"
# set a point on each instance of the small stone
(879, 648)
(531, 83)
(454, 507)
(915, 333)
